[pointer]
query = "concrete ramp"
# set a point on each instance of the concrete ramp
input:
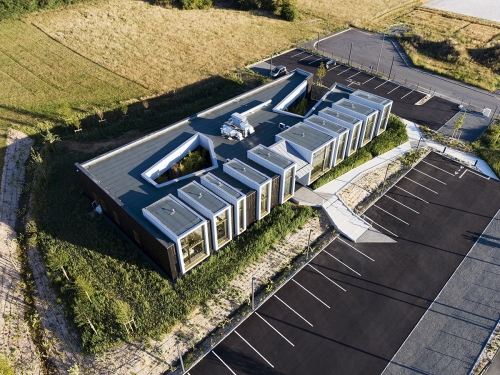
(344, 220)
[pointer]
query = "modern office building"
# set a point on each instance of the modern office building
(367, 114)
(384, 106)
(179, 215)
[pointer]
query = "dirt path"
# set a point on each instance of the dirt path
(15, 343)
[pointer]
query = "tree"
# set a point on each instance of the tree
(321, 73)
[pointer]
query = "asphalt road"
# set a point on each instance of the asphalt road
(366, 50)
(350, 309)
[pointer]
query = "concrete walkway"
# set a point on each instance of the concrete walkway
(414, 136)
(15, 338)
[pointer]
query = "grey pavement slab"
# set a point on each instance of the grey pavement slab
(452, 333)
(474, 125)
(486, 9)
(372, 235)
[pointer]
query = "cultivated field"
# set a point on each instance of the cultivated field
(465, 48)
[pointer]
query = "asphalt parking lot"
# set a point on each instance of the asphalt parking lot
(351, 308)
(433, 113)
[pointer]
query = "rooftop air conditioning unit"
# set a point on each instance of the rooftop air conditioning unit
(241, 122)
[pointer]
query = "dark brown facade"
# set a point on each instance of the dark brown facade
(161, 252)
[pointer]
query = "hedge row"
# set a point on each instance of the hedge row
(103, 267)
(394, 135)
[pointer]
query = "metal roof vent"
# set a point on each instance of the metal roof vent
(244, 169)
(220, 183)
(200, 195)
(173, 211)
(303, 135)
(268, 154)
(352, 105)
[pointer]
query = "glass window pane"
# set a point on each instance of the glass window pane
(193, 246)
(264, 197)
(287, 188)
(241, 218)
(340, 150)
(222, 228)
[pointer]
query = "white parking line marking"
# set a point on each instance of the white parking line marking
(224, 363)
(344, 71)
(296, 313)
(310, 293)
(304, 58)
(404, 205)
(354, 75)
(434, 178)
(404, 96)
(477, 174)
(387, 212)
(415, 182)
(397, 87)
(335, 67)
(300, 53)
(368, 80)
(255, 350)
(411, 194)
(383, 83)
(395, 235)
(322, 274)
(345, 265)
(432, 165)
(315, 60)
(269, 324)
(373, 260)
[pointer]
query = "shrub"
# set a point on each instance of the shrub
(394, 135)
(361, 156)
(195, 4)
(289, 11)
(5, 367)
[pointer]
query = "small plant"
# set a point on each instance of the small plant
(321, 73)
(458, 124)
(299, 107)
(100, 114)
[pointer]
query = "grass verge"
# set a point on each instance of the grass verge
(394, 135)
(487, 146)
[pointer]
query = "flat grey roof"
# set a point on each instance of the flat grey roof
(371, 97)
(173, 215)
(331, 126)
(341, 116)
(204, 197)
(356, 107)
(223, 185)
(306, 136)
(247, 171)
(120, 171)
(271, 156)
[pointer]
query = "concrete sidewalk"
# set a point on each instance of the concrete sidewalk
(414, 136)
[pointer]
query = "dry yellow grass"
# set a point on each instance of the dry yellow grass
(165, 49)
(466, 33)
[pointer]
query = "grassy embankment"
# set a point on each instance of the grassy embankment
(460, 47)
(488, 147)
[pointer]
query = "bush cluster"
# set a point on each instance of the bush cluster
(103, 267)
(394, 135)
(299, 107)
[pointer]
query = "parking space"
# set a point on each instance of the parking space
(433, 113)
(354, 304)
